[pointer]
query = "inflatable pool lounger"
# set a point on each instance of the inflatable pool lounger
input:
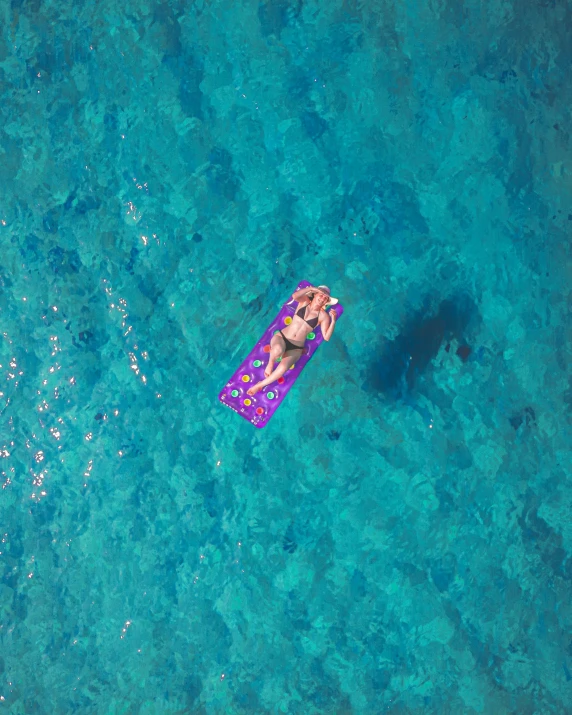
(259, 408)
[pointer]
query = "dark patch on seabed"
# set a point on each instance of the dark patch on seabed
(402, 361)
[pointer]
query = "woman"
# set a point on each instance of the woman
(289, 343)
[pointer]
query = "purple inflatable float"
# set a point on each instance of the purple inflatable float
(259, 408)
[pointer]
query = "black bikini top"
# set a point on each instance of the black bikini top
(312, 323)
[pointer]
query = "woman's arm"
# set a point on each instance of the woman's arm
(303, 291)
(330, 329)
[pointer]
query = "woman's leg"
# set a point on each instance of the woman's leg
(286, 363)
(277, 346)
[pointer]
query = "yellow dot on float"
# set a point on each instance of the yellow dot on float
(291, 367)
(247, 402)
(287, 320)
(245, 378)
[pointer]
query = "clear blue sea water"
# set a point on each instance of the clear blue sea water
(398, 538)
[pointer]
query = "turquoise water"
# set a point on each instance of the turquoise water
(398, 538)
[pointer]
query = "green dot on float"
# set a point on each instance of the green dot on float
(257, 363)
(311, 336)
(234, 393)
(270, 395)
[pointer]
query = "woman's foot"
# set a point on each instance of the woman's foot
(254, 389)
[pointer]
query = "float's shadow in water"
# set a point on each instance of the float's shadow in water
(401, 361)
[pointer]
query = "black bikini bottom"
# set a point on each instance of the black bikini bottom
(290, 345)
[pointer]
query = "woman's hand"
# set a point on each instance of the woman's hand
(303, 292)
(333, 315)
